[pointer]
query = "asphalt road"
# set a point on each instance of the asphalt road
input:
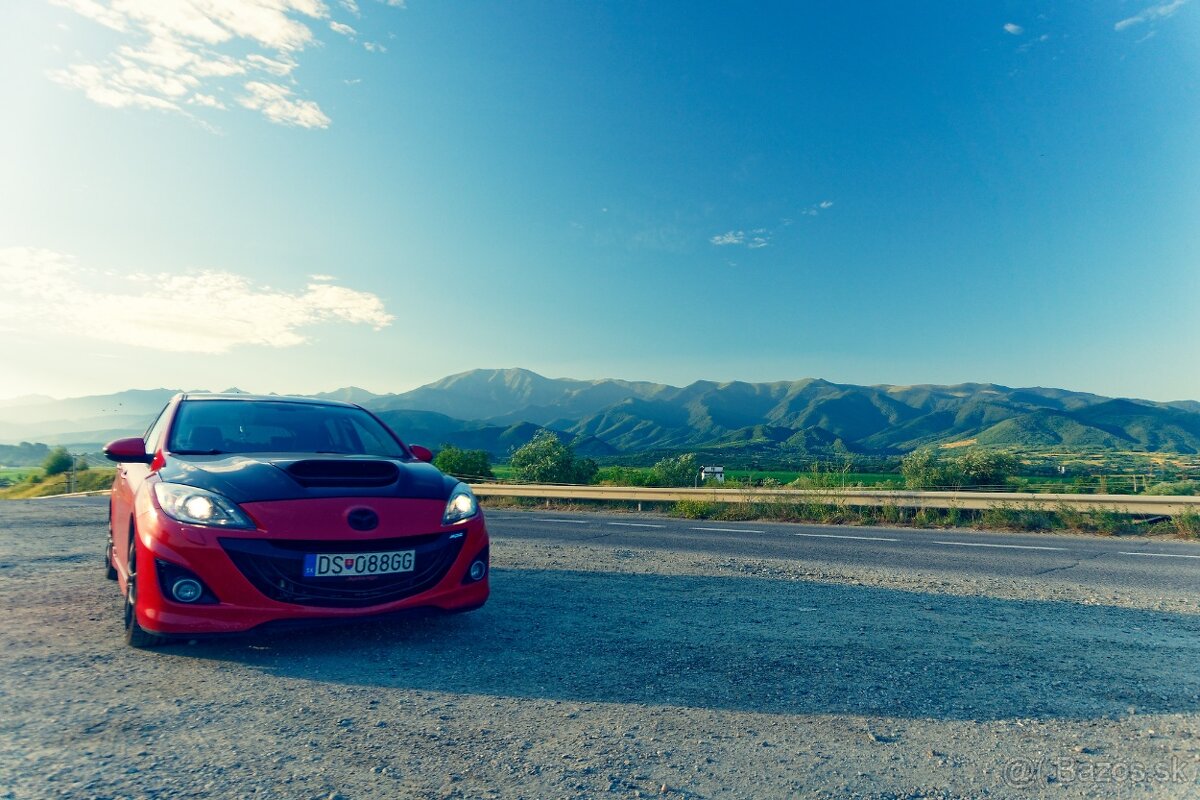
(1101, 563)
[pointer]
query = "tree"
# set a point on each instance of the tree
(677, 470)
(545, 459)
(922, 469)
(926, 469)
(464, 464)
(58, 462)
(986, 467)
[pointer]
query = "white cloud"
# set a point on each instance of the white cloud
(758, 238)
(276, 103)
(102, 90)
(47, 292)
(374, 47)
(817, 208)
(206, 100)
(174, 48)
(1150, 14)
(1013, 28)
(279, 67)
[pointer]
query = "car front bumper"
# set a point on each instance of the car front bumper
(253, 579)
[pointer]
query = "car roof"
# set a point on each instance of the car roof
(253, 398)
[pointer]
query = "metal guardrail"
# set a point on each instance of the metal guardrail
(1152, 505)
(1143, 505)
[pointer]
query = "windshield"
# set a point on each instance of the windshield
(211, 427)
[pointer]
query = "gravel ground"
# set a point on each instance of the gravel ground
(600, 672)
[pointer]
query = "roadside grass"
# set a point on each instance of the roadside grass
(35, 485)
(823, 475)
(1187, 524)
(1105, 522)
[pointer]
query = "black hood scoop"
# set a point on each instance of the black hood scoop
(343, 473)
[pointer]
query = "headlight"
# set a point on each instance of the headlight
(461, 505)
(199, 507)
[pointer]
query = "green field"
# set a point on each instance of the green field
(830, 478)
(17, 472)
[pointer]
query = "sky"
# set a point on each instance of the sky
(297, 195)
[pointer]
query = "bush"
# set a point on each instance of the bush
(1187, 524)
(1175, 488)
(58, 462)
(465, 464)
(696, 509)
(677, 470)
(986, 467)
(544, 459)
(926, 469)
(923, 469)
(1021, 519)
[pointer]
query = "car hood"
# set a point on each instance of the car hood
(259, 477)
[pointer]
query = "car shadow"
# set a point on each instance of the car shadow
(761, 645)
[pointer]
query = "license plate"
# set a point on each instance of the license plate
(351, 565)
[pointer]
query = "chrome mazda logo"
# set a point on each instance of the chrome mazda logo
(363, 519)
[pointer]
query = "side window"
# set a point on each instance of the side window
(155, 432)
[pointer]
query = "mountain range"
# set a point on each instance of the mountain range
(500, 409)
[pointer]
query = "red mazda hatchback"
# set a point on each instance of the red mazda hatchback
(236, 510)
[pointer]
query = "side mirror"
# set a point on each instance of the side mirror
(422, 453)
(128, 451)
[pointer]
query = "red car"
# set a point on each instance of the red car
(239, 510)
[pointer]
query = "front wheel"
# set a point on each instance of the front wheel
(135, 634)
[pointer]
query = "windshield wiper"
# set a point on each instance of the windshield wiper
(198, 452)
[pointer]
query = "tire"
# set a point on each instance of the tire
(135, 634)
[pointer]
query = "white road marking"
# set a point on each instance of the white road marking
(636, 525)
(1003, 546)
(1159, 555)
(860, 538)
(729, 530)
(571, 521)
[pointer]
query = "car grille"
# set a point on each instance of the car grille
(276, 568)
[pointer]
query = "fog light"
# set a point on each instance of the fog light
(187, 590)
(477, 571)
